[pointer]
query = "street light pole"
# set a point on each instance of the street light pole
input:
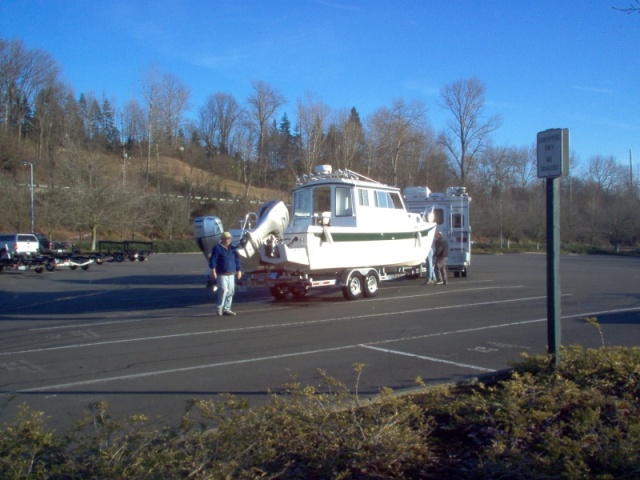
(24, 164)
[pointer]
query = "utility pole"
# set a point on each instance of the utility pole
(33, 228)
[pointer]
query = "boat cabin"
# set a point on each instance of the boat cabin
(339, 198)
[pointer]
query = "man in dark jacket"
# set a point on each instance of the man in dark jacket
(440, 257)
(225, 268)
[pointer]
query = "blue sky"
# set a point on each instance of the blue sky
(545, 63)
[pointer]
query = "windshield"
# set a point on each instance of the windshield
(302, 203)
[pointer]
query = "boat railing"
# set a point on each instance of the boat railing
(339, 174)
(245, 223)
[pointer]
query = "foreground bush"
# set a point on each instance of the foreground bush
(581, 420)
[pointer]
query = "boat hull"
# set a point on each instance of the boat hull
(318, 249)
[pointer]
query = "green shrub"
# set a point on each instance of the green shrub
(175, 246)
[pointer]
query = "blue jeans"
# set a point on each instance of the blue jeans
(226, 289)
(431, 273)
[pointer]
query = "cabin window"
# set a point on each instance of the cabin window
(457, 220)
(363, 197)
(321, 199)
(343, 202)
(438, 216)
(388, 200)
(396, 201)
(302, 203)
(382, 199)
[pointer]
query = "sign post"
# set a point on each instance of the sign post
(553, 162)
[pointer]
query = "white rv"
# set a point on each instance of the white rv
(451, 212)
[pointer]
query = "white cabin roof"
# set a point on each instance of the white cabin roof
(348, 177)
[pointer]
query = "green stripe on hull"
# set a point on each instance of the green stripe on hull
(374, 237)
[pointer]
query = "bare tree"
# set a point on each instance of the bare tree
(467, 131)
(263, 104)
(605, 174)
(49, 121)
(219, 117)
(134, 125)
(23, 73)
(346, 140)
(173, 103)
(95, 199)
(151, 87)
(230, 115)
(632, 8)
(524, 167)
(394, 132)
(313, 116)
(208, 125)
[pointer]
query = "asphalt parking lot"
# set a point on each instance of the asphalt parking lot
(143, 335)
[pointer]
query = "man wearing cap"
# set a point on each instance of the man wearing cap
(440, 257)
(225, 267)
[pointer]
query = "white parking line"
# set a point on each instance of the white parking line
(308, 352)
(141, 312)
(264, 327)
(431, 359)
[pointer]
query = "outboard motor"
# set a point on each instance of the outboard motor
(207, 232)
(273, 218)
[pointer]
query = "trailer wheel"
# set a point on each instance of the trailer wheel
(99, 260)
(353, 288)
(85, 267)
(298, 291)
(464, 273)
(39, 269)
(279, 292)
(73, 267)
(118, 257)
(371, 285)
(50, 266)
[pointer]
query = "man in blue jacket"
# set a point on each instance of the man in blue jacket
(225, 268)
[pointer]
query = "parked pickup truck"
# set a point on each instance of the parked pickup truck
(21, 244)
(49, 247)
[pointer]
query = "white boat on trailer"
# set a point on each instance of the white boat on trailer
(345, 229)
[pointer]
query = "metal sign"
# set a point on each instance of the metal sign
(553, 153)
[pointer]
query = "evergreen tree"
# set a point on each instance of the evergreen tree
(109, 130)
(84, 116)
(74, 128)
(95, 122)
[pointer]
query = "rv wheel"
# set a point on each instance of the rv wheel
(371, 285)
(353, 288)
